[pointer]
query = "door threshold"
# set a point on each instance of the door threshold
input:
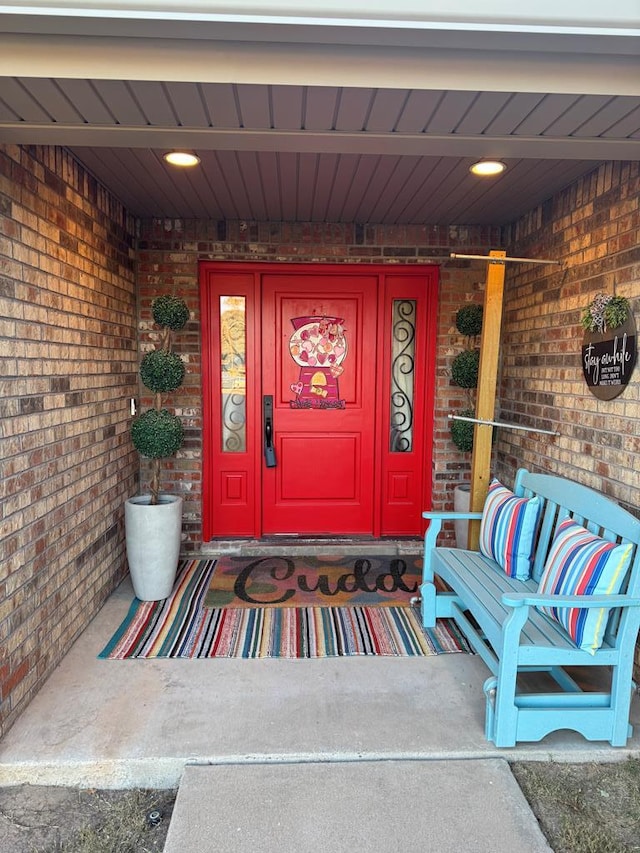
(270, 546)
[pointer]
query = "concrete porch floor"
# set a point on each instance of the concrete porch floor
(138, 723)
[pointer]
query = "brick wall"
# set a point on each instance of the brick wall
(68, 362)
(593, 227)
(168, 255)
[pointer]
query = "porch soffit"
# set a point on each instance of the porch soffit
(293, 130)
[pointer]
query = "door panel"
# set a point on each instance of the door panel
(320, 331)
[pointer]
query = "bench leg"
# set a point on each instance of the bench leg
(622, 687)
(505, 722)
(428, 605)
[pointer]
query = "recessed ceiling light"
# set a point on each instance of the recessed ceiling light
(488, 167)
(181, 158)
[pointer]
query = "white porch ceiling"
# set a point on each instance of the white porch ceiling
(381, 128)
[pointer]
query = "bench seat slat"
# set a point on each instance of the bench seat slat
(481, 589)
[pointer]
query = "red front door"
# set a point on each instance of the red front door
(319, 340)
(317, 381)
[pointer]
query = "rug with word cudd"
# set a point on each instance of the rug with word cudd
(327, 581)
(181, 626)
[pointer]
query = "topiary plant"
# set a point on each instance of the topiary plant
(464, 369)
(469, 320)
(158, 434)
(462, 431)
(464, 372)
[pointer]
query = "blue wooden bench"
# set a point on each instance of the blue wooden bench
(500, 617)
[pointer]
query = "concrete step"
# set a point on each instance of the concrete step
(342, 807)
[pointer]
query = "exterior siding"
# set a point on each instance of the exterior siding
(68, 362)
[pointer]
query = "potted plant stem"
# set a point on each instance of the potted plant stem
(153, 521)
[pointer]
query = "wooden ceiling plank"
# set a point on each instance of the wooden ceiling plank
(119, 102)
(20, 102)
(6, 113)
(228, 161)
(426, 184)
(613, 113)
(481, 111)
(86, 100)
(344, 176)
(327, 164)
(152, 96)
(458, 184)
(254, 106)
(384, 168)
(386, 109)
(412, 193)
(626, 127)
(307, 175)
(399, 184)
(418, 110)
(187, 104)
(513, 113)
(268, 167)
(450, 112)
(220, 101)
(581, 110)
(216, 177)
(48, 94)
(353, 109)
(542, 116)
(364, 173)
(287, 107)
(251, 178)
(321, 106)
(288, 171)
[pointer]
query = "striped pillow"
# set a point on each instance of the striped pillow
(508, 529)
(580, 563)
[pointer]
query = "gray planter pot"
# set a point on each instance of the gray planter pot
(461, 503)
(153, 544)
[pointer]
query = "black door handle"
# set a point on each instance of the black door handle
(267, 414)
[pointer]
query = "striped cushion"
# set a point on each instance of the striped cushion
(508, 528)
(580, 563)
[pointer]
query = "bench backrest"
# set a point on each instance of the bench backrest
(562, 499)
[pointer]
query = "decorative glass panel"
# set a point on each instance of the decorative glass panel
(233, 373)
(403, 348)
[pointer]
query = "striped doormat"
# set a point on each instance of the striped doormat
(181, 627)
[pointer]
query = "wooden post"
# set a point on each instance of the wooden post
(486, 395)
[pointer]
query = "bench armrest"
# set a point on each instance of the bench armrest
(521, 599)
(434, 528)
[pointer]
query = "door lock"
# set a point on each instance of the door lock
(267, 414)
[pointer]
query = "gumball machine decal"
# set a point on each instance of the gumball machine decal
(318, 346)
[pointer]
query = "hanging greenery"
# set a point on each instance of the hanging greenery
(605, 312)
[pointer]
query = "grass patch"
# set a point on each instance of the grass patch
(584, 808)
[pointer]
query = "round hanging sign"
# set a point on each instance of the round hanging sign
(608, 359)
